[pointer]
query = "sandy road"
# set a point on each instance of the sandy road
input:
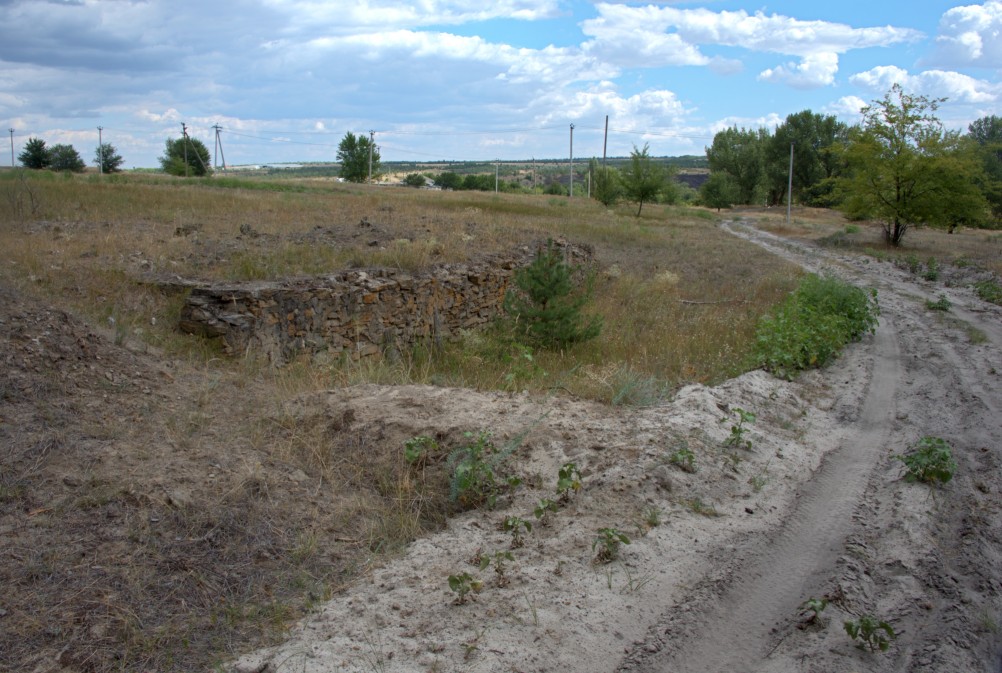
(927, 562)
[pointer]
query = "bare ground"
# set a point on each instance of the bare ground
(816, 507)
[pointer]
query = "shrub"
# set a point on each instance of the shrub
(547, 307)
(813, 325)
(929, 461)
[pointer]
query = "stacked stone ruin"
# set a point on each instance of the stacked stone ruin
(357, 313)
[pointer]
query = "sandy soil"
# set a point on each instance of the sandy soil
(721, 559)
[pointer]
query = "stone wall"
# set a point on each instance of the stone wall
(356, 313)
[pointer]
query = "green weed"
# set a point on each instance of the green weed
(872, 632)
(608, 542)
(930, 461)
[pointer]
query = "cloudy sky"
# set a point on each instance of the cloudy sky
(463, 80)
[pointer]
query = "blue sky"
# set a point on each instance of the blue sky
(458, 80)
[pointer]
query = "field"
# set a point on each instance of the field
(164, 507)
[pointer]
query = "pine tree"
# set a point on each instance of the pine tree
(546, 306)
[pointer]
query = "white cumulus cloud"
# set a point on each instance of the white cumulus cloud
(970, 35)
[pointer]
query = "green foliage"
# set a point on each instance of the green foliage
(986, 133)
(417, 449)
(555, 189)
(178, 151)
(464, 583)
(930, 461)
(941, 304)
(608, 542)
(475, 481)
(643, 178)
(546, 306)
(543, 508)
(741, 155)
(683, 458)
(737, 437)
(931, 270)
(815, 606)
(815, 138)
(108, 158)
(719, 191)
(607, 185)
(415, 180)
(872, 632)
(65, 158)
(989, 290)
(904, 169)
(500, 560)
(449, 180)
(35, 154)
(354, 154)
(568, 480)
(813, 325)
(518, 528)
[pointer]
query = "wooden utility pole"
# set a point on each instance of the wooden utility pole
(571, 193)
(11, 147)
(100, 151)
(789, 188)
(605, 141)
(184, 141)
(372, 143)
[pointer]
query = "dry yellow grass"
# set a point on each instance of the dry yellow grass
(679, 298)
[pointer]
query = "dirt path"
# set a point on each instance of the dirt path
(713, 581)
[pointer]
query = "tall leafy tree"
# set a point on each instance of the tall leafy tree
(905, 170)
(65, 158)
(185, 156)
(719, 191)
(740, 154)
(815, 139)
(986, 133)
(643, 178)
(35, 154)
(353, 153)
(108, 158)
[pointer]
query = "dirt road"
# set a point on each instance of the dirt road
(721, 557)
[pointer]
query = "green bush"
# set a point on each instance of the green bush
(989, 290)
(929, 461)
(813, 325)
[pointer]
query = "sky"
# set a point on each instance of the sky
(453, 80)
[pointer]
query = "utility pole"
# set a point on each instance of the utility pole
(605, 142)
(11, 147)
(184, 140)
(571, 194)
(218, 146)
(372, 142)
(497, 170)
(789, 188)
(534, 174)
(100, 151)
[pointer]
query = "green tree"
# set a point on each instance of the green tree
(607, 186)
(815, 139)
(546, 305)
(449, 180)
(108, 158)
(740, 154)
(353, 153)
(65, 158)
(905, 170)
(643, 178)
(986, 133)
(35, 154)
(185, 156)
(719, 191)
(415, 180)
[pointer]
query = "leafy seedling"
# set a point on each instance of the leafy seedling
(543, 508)
(872, 632)
(737, 437)
(814, 607)
(684, 459)
(941, 304)
(464, 583)
(608, 542)
(568, 480)
(500, 561)
(930, 461)
(417, 449)
(518, 527)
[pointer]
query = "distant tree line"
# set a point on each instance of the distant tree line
(898, 166)
(36, 155)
